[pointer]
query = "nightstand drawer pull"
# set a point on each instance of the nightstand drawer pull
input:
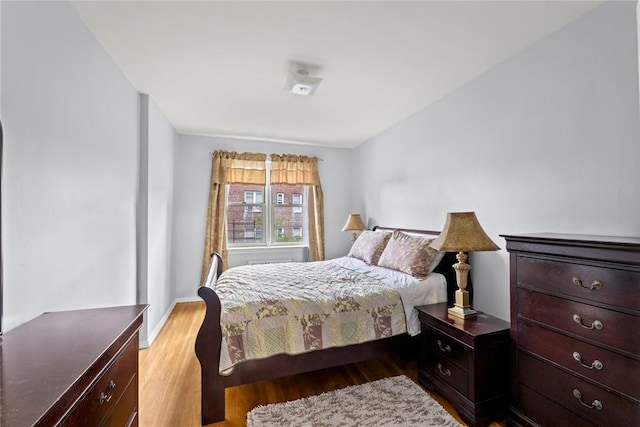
(596, 403)
(595, 364)
(446, 372)
(446, 348)
(594, 286)
(595, 324)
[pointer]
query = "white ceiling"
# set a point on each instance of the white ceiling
(218, 68)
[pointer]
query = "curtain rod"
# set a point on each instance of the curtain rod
(320, 159)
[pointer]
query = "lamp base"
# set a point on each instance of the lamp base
(462, 308)
(462, 312)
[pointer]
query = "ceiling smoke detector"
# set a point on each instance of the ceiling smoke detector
(301, 83)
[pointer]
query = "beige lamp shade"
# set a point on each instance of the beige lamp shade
(462, 233)
(354, 223)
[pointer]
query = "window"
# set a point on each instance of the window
(225, 220)
(253, 201)
(245, 213)
(249, 233)
(286, 217)
(296, 200)
(259, 215)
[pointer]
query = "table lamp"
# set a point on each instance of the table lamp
(354, 223)
(462, 233)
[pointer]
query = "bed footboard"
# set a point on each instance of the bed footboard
(208, 342)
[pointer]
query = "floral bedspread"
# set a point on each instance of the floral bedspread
(299, 307)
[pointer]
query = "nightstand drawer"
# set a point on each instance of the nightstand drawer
(444, 346)
(450, 373)
(608, 327)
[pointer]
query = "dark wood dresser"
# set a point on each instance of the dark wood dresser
(575, 321)
(72, 368)
(466, 361)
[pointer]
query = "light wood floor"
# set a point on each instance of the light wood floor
(170, 378)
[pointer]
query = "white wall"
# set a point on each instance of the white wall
(162, 140)
(142, 214)
(192, 174)
(71, 137)
(1, 274)
(0, 90)
(547, 141)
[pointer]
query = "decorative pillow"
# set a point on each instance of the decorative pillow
(369, 246)
(410, 254)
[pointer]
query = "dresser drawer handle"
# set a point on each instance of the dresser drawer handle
(596, 403)
(594, 286)
(446, 372)
(595, 364)
(446, 348)
(111, 385)
(595, 324)
(104, 398)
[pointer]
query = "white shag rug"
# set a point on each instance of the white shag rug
(395, 401)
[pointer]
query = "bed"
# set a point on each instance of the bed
(315, 347)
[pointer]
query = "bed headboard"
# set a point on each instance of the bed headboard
(446, 264)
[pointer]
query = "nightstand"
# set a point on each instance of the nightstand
(465, 361)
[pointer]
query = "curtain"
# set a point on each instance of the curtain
(292, 169)
(227, 167)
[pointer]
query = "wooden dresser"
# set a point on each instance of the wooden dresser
(72, 368)
(575, 317)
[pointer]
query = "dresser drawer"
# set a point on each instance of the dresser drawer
(618, 288)
(546, 412)
(604, 326)
(441, 344)
(444, 370)
(607, 368)
(125, 411)
(578, 396)
(107, 390)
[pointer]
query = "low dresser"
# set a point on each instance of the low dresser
(72, 368)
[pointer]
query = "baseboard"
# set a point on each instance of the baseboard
(188, 299)
(156, 331)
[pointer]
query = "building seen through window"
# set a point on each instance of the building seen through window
(265, 215)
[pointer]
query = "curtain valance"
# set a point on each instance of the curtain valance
(293, 169)
(230, 167)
